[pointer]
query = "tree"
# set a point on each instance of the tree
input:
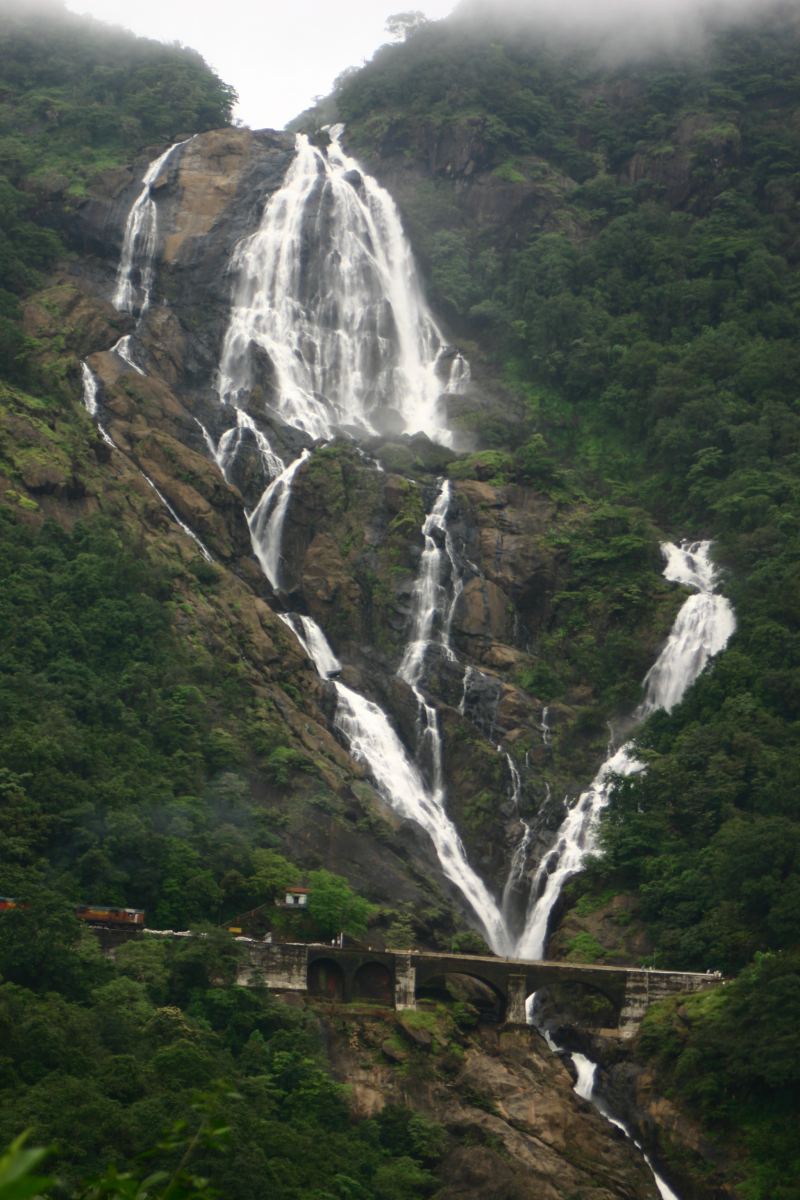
(402, 25)
(335, 907)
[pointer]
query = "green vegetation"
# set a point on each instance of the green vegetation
(641, 303)
(335, 907)
(147, 1066)
(77, 97)
(731, 1055)
(124, 776)
(631, 279)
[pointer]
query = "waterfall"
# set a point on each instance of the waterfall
(430, 603)
(186, 528)
(585, 1074)
(519, 858)
(231, 441)
(371, 740)
(90, 386)
(328, 289)
(701, 629)
(139, 243)
(123, 349)
(584, 1086)
(267, 520)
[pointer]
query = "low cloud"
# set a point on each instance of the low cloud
(624, 26)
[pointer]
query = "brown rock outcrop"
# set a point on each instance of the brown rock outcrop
(519, 1131)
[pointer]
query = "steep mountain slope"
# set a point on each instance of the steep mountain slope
(622, 240)
(613, 249)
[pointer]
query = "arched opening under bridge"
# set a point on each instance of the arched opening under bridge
(488, 1002)
(573, 1002)
(326, 978)
(374, 981)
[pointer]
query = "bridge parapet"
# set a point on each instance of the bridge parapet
(395, 977)
(630, 989)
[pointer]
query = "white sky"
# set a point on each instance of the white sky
(278, 54)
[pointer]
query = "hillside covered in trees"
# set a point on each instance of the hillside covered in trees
(621, 241)
(613, 240)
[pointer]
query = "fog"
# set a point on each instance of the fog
(621, 27)
(278, 54)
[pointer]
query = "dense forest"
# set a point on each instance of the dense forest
(107, 711)
(633, 293)
(77, 97)
(646, 309)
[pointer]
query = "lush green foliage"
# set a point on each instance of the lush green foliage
(335, 907)
(642, 301)
(77, 97)
(734, 1055)
(125, 752)
(102, 1067)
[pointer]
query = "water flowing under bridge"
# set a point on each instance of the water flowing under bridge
(398, 977)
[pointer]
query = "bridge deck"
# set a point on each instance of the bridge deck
(560, 965)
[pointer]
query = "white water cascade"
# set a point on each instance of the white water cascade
(701, 629)
(519, 858)
(139, 243)
(267, 520)
(90, 385)
(90, 390)
(327, 287)
(586, 1072)
(584, 1087)
(432, 616)
(122, 347)
(371, 740)
(231, 441)
(186, 528)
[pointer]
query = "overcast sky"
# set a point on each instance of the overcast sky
(278, 54)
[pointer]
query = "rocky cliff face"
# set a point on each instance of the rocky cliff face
(352, 552)
(353, 531)
(515, 1128)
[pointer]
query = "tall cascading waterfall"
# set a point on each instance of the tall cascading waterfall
(328, 289)
(701, 630)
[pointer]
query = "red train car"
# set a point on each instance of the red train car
(94, 914)
(101, 914)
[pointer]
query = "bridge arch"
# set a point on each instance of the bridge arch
(373, 981)
(326, 978)
(580, 1002)
(489, 1000)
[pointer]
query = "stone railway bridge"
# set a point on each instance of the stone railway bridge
(396, 978)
